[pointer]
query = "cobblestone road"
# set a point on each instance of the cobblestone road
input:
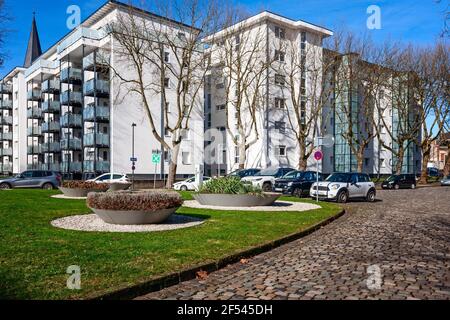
(405, 236)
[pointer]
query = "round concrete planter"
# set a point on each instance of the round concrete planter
(118, 186)
(134, 217)
(236, 200)
(77, 193)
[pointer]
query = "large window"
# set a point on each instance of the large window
(280, 32)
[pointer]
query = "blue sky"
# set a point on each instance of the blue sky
(418, 21)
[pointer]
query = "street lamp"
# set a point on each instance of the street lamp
(133, 159)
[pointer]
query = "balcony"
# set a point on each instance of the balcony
(49, 67)
(100, 166)
(5, 88)
(73, 144)
(51, 147)
(70, 166)
(6, 120)
(50, 127)
(6, 136)
(6, 104)
(99, 60)
(70, 120)
(71, 75)
(34, 95)
(36, 149)
(6, 167)
(96, 88)
(73, 98)
(34, 131)
(96, 140)
(99, 114)
(36, 166)
(51, 86)
(79, 34)
(49, 106)
(34, 113)
(6, 152)
(54, 166)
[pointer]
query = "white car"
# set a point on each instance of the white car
(344, 186)
(111, 178)
(188, 184)
(265, 179)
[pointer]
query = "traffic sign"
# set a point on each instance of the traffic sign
(318, 155)
(156, 158)
(133, 159)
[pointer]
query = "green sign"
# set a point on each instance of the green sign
(156, 158)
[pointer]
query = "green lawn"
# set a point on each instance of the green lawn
(34, 255)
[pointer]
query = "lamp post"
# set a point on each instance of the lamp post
(133, 167)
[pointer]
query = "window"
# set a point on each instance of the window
(366, 161)
(382, 163)
(166, 132)
(168, 107)
(236, 154)
(166, 57)
(363, 177)
(105, 155)
(280, 151)
(280, 126)
(279, 79)
(166, 156)
(185, 134)
(279, 103)
(279, 56)
(186, 157)
(279, 33)
(167, 82)
(220, 107)
(181, 35)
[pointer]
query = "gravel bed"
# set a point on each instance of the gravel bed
(277, 206)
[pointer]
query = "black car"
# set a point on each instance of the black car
(296, 183)
(397, 181)
(241, 173)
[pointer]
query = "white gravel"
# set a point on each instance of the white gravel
(91, 222)
(61, 196)
(277, 206)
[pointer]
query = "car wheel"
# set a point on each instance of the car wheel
(297, 193)
(342, 197)
(47, 186)
(183, 188)
(396, 186)
(5, 186)
(371, 196)
(413, 186)
(267, 187)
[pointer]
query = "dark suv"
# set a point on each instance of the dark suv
(296, 183)
(241, 173)
(33, 179)
(397, 181)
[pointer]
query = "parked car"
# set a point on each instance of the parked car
(398, 181)
(296, 183)
(265, 179)
(344, 186)
(445, 181)
(434, 172)
(33, 179)
(241, 173)
(188, 184)
(111, 178)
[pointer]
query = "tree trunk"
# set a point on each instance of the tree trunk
(398, 166)
(360, 161)
(242, 155)
(425, 159)
(302, 161)
(173, 166)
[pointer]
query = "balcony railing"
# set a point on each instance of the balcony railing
(35, 149)
(51, 86)
(98, 88)
(54, 166)
(49, 106)
(70, 166)
(70, 120)
(71, 74)
(34, 95)
(99, 59)
(6, 104)
(71, 98)
(5, 88)
(51, 147)
(34, 113)
(51, 126)
(42, 64)
(71, 144)
(100, 140)
(6, 167)
(92, 113)
(6, 120)
(37, 166)
(34, 131)
(100, 166)
(6, 136)
(6, 152)
(80, 33)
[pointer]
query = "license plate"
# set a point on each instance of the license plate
(278, 189)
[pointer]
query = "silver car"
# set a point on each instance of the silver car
(33, 179)
(445, 181)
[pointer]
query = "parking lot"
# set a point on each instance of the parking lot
(395, 248)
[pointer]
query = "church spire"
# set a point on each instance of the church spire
(34, 46)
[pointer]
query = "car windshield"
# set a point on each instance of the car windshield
(267, 172)
(293, 174)
(234, 173)
(391, 178)
(338, 177)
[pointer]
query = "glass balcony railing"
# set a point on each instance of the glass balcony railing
(6, 167)
(6, 136)
(100, 166)
(71, 98)
(6, 104)
(50, 86)
(51, 147)
(96, 140)
(70, 166)
(99, 59)
(6, 152)
(92, 113)
(49, 106)
(35, 149)
(5, 88)
(34, 131)
(42, 64)
(6, 120)
(71, 144)
(34, 94)
(34, 113)
(70, 74)
(70, 120)
(51, 126)
(80, 33)
(54, 166)
(96, 87)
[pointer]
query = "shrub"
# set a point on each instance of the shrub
(78, 184)
(134, 201)
(228, 185)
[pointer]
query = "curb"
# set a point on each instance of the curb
(191, 273)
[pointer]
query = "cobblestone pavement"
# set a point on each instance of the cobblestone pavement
(405, 236)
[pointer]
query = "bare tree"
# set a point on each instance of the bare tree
(162, 58)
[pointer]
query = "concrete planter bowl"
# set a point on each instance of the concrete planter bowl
(78, 192)
(119, 186)
(236, 200)
(134, 208)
